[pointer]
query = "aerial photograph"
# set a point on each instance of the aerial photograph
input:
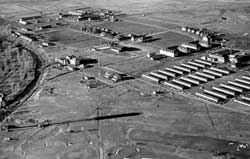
(124, 79)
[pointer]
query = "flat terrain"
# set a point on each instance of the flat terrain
(130, 28)
(73, 38)
(169, 39)
(151, 21)
(98, 118)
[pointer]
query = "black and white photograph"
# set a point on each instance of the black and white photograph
(124, 79)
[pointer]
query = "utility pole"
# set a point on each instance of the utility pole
(99, 135)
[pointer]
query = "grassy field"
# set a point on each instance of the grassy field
(134, 66)
(73, 38)
(130, 28)
(169, 39)
(151, 21)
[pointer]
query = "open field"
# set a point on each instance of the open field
(180, 116)
(151, 21)
(169, 39)
(124, 53)
(135, 66)
(107, 59)
(73, 38)
(130, 28)
(92, 117)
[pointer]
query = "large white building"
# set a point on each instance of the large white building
(184, 49)
(195, 47)
(169, 52)
(75, 13)
(205, 44)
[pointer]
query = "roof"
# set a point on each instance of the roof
(118, 47)
(30, 17)
(146, 37)
(190, 44)
(26, 37)
(71, 56)
(216, 56)
(169, 50)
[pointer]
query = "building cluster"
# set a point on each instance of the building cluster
(28, 30)
(184, 48)
(72, 62)
(223, 56)
(26, 20)
(29, 37)
(105, 32)
(115, 77)
(226, 91)
(207, 40)
(82, 15)
(203, 70)
(195, 31)
(39, 27)
(34, 20)
(32, 24)
(212, 37)
(239, 60)
(176, 71)
(140, 38)
(187, 75)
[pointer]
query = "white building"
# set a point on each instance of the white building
(75, 13)
(197, 32)
(72, 60)
(184, 49)
(205, 44)
(62, 60)
(26, 38)
(218, 57)
(183, 28)
(191, 46)
(168, 52)
(206, 39)
(21, 21)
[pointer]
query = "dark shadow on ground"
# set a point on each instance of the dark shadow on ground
(101, 117)
(131, 49)
(14, 127)
(155, 39)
